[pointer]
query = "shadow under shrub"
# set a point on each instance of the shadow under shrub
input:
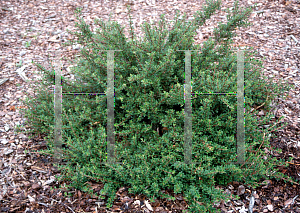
(149, 90)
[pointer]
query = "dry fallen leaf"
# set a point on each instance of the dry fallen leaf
(148, 205)
(54, 39)
(12, 108)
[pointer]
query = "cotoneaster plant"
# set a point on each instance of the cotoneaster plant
(149, 78)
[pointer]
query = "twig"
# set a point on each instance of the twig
(59, 203)
(297, 164)
(257, 107)
(44, 204)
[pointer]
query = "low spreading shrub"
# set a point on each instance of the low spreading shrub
(149, 111)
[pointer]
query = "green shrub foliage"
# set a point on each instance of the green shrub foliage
(149, 78)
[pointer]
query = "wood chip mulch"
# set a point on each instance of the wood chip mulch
(35, 29)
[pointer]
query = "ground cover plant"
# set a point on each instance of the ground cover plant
(149, 96)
